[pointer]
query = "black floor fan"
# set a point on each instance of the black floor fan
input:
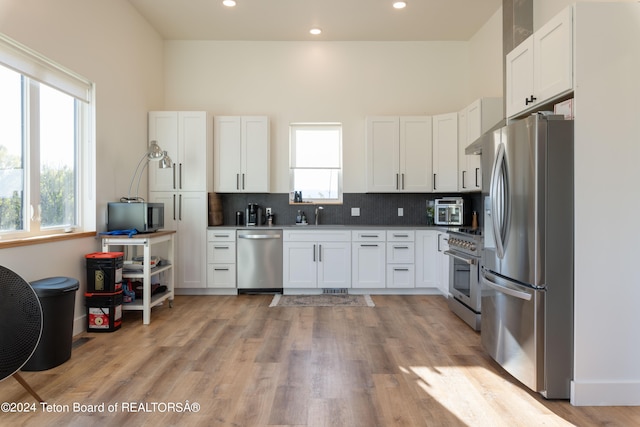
(20, 326)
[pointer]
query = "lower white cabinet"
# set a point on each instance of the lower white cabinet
(443, 262)
(316, 259)
(428, 263)
(368, 255)
(221, 258)
(186, 213)
(400, 259)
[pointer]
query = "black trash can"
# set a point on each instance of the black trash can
(57, 297)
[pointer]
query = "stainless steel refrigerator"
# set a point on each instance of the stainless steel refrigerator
(527, 263)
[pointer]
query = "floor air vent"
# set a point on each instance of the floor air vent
(335, 291)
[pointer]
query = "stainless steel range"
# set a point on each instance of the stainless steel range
(465, 251)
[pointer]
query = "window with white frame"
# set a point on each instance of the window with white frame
(315, 161)
(47, 179)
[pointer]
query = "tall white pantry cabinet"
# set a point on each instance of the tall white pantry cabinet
(185, 135)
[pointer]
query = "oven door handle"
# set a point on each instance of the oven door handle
(469, 261)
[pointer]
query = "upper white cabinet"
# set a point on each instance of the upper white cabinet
(445, 153)
(241, 154)
(399, 151)
(473, 121)
(183, 135)
(541, 67)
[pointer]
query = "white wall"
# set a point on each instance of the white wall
(109, 43)
(317, 81)
(485, 60)
(543, 10)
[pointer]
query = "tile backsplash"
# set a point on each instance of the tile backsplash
(375, 208)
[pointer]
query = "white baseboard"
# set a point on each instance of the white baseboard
(605, 393)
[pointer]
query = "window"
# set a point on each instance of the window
(316, 161)
(47, 181)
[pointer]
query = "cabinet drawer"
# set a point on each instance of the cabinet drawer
(400, 235)
(224, 235)
(221, 252)
(221, 275)
(368, 235)
(317, 236)
(400, 252)
(400, 276)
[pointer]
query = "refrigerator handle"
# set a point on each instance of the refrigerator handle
(498, 201)
(505, 290)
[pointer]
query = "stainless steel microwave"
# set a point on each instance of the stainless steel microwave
(449, 211)
(141, 216)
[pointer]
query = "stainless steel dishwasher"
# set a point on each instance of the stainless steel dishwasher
(259, 261)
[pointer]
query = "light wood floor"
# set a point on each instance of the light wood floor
(407, 362)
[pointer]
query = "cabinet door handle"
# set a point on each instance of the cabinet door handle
(221, 269)
(174, 207)
(477, 170)
(403, 181)
(173, 170)
(400, 235)
(319, 253)
(369, 235)
(397, 187)
(434, 181)
(180, 176)
(314, 253)
(530, 100)
(368, 246)
(463, 175)
(243, 181)
(180, 207)
(221, 247)
(400, 269)
(221, 235)
(401, 247)
(237, 181)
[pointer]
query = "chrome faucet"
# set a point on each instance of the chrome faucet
(318, 210)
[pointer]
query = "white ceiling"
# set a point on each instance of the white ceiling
(340, 20)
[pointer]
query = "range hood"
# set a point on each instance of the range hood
(476, 146)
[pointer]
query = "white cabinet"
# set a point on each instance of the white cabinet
(190, 221)
(399, 151)
(427, 261)
(368, 265)
(443, 262)
(316, 259)
(221, 258)
(400, 259)
(183, 189)
(241, 154)
(473, 121)
(541, 67)
(445, 153)
(183, 135)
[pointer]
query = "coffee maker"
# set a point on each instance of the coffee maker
(253, 215)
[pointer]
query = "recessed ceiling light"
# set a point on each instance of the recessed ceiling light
(399, 4)
(229, 3)
(315, 31)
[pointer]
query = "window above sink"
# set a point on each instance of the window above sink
(315, 162)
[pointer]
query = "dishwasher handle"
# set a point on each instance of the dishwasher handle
(259, 236)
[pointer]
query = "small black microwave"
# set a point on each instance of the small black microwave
(142, 216)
